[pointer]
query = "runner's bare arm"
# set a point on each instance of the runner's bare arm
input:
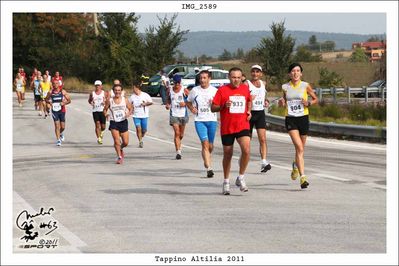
(310, 92)
(67, 98)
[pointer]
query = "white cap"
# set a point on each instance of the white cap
(196, 69)
(256, 67)
(98, 82)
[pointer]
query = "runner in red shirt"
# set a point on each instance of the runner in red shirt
(58, 78)
(234, 103)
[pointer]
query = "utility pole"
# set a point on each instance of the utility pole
(95, 21)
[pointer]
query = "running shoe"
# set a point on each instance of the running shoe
(100, 140)
(119, 160)
(294, 172)
(178, 156)
(62, 138)
(226, 188)
(58, 143)
(241, 184)
(141, 144)
(265, 168)
(102, 134)
(45, 116)
(304, 182)
(209, 173)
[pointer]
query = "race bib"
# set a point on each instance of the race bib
(45, 94)
(237, 104)
(258, 103)
(119, 115)
(98, 104)
(19, 86)
(295, 108)
(56, 107)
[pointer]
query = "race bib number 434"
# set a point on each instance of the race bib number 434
(237, 104)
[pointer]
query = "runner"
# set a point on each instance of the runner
(48, 75)
(45, 87)
(23, 74)
(120, 110)
(140, 101)
(58, 98)
(19, 84)
(175, 102)
(199, 102)
(116, 82)
(297, 117)
(35, 85)
(164, 87)
(234, 103)
(97, 100)
(258, 91)
(58, 79)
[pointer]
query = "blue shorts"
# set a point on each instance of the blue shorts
(141, 122)
(206, 130)
(58, 116)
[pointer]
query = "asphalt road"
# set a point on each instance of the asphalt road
(156, 204)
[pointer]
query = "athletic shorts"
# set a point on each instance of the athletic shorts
(141, 122)
(300, 123)
(206, 130)
(38, 98)
(258, 120)
(58, 116)
(228, 140)
(120, 126)
(178, 120)
(99, 116)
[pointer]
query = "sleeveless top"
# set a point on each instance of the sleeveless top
(20, 83)
(56, 99)
(45, 87)
(259, 95)
(176, 98)
(118, 111)
(294, 96)
(98, 100)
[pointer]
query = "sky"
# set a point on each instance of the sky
(357, 23)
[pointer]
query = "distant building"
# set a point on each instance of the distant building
(374, 50)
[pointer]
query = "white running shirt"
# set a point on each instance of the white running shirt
(98, 101)
(259, 95)
(202, 100)
(139, 110)
(176, 98)
(118, 111)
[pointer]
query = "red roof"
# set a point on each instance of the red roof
(372, 45)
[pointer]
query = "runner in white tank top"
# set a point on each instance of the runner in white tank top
(97, 101)
(120, 109)
(258, 119)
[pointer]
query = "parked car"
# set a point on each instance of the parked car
(219, 77)
(170, 70)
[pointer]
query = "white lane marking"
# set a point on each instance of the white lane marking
(276, 165)
(73, 239)
(367, 146)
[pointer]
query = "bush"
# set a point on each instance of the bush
(333, 110)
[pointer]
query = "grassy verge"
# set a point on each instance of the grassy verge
(354, 114)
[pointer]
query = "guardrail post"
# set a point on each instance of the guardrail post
(320, 94)
(382, 92)
(366, 94)
(334, 93)
(348, 90)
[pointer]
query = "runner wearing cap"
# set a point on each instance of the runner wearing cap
(295, 99)
(176, 103)
(97, 101)
(199, 102)
(234, 103)
(257, 87)
(140, 101)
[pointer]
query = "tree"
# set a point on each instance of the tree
(121, 48)
(328, 46)
(329, 79)
(275, 53)
(161, 43)
(226, 55)
(358, 56)
(252, 56)
(375, 38)
(313, 43)
(303, 54)
(240, 53)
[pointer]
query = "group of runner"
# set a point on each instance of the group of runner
(241, 105)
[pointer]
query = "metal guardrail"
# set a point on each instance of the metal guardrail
(366, 91)
(336, 129)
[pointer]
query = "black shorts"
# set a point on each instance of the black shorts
(300, 123)
(258, 119)
(120, 126)
(58, 116)
(38, 98)
(228, 140)
(99, 116)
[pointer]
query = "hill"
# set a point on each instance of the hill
(212, 43)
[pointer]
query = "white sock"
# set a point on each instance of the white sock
(241, 177)
(265, 162)
(179, 152)
(209, 168)
(226, 181)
